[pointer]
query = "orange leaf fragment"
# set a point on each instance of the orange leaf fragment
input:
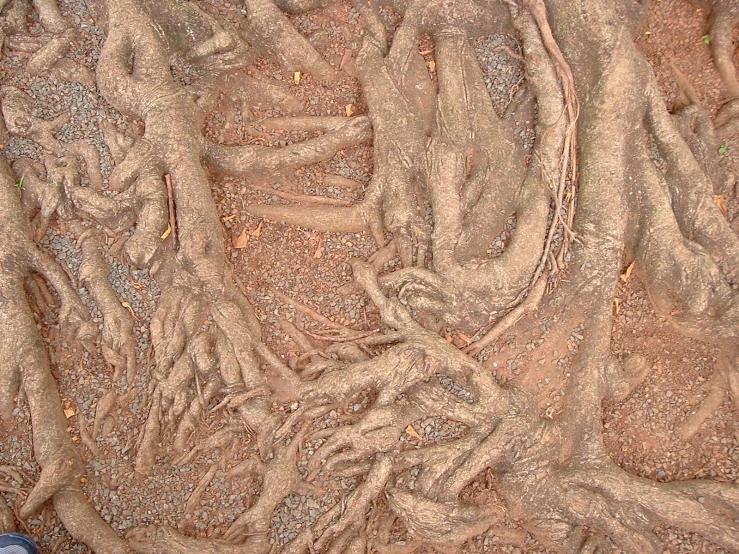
(296, 77)
(413, 433)
(167, 232)
(128, 306)
(319, 250)
(617, 304)
(464, 337)
(627, 274)
(258, 231)
(69, 412)
(721, 201)
(240, 241)
(349, 110)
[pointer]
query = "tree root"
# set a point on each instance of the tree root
(261, 160)
(50, 16)
(119, 345)
(61, 465)
(443, 148)
(723, 17)
(452, 292)
(723, 379)
(169, 541)
(269, 27)
(281, 476)
(444, 524)
(692, 194)
(300, 6)
(7, 518)
(51, 52)
(528, 305)
(682, 280)
(16, 108)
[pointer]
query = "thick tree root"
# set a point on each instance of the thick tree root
(271, 29)
(242, 161)
(61, 464)
(119, 348)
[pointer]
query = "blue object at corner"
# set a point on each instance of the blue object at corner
(15, 543)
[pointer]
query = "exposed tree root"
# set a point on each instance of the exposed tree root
(271, 30)
(261, 160)
(449, 175)
(26, 362)
(723, 17)
(7, 518)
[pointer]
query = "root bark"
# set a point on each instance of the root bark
(450, 176)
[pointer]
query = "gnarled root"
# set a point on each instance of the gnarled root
(270, 28)
(441, 148)
(26, 362)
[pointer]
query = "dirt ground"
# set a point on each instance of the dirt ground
(289, 272)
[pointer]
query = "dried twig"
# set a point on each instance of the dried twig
(171, 207)
(310, 312)
(304, 198)
(356, 335)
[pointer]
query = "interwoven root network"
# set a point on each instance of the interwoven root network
(450, 175)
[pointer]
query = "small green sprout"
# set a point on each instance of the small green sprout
(19, 184)
(706, 39)
(723, 148)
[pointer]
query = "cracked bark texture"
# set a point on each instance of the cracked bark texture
(587, 200)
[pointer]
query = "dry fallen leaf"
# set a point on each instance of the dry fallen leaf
(241, 240)
(721, 201)
(465, 338)
(130, 309)
(319, 250)
(627, 274)
(69, 412)
(297, 77)
(349, 110)
(258, 231)
(167, 232)
(617, 304)
(413, 433)
(229, 218)
(432, 65)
